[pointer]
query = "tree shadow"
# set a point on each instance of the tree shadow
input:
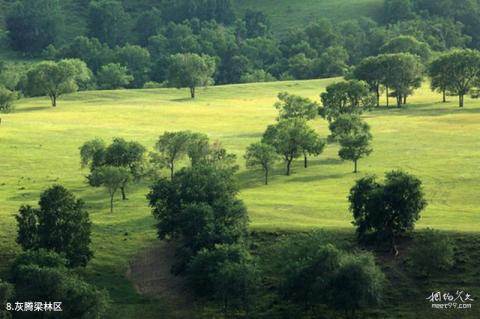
(32, 109)
(182, 99)
(415, 110)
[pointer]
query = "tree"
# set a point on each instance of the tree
(256, 24)
(402, 73)
(407, 44)
(138, 62)
(120, 153)
(287, 138)
(370, 71)
(432, 252)
(346, 125)
(113, 178)
(191, 70)
(108, 22)
(397, 10)
(56, 78)
(198, 219)
(461, 70)
(261, 155)
(346, 97)
(42, 275)
(7, 99)
(354, 147)
(113, 76)
(439, 76)
(292, 106)
(359, 284)
(34, 24)
(198, 148)
(60, 224)
(173, 146)
(387, 209)
(6, 294)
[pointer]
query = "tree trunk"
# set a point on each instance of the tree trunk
(111, 203)
(399, 101)
(460, 100)
(171, 170)
(305, 161)
(355, 166)
(192, 92)
(289, 162)
(377, 92)
(266, 177)
(124, 196)
(405, 99)
(53, 98)
(388, 98)
(444, 96)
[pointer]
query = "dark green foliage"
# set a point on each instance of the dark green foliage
(54, 79)
(432, 252)
(355, 146)
(42, 276)
(191, 70)
(113, 76)
(358, 284)
(347, 124)
(347, 97)
(89, 50)
(402, 72)
(6, 294)
(407, 44)
(137, 61)
(370, 71)
(397, 10)
(389, 209)
(34, 24)
(292, 138)
(256, 24)
(457, 72)
(109, 22)
(198, 219)
(315, 275)
(7, 99)
(180, 10)
(60, 224)
(261, 155)
(172, 146)
(292, 106)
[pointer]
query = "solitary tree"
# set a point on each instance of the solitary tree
(261, 155)
(387, 209)
(345, 125)
(60, 224)
(191, 70)
(461, 71)
(292, 106)
(113, 178)
(287, 138)
(346, 98)
(198, 148)
(173, 146)
(55, 78)
(354, 139)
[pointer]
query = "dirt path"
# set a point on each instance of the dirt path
(150, 273)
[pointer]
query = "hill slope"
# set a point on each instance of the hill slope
(285, 14)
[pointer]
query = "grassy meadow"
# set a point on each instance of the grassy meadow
(438, 142)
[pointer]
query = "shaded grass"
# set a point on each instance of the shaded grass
(439, 143)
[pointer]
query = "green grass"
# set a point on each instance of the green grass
(439, 143)
(285, 14)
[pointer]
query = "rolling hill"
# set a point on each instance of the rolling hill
(439, 143)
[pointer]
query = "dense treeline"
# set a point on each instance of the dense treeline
(131, 45)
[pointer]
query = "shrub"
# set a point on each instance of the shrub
(432, 252)
(7, 98)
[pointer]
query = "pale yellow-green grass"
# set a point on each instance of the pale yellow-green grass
(440, 143)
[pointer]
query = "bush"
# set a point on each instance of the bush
(257, 76)
(113, 76)
(7, 98)
(154, 85)
(432, 252)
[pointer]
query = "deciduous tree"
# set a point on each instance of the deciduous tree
(261, 155)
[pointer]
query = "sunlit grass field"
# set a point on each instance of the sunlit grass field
(438, 142)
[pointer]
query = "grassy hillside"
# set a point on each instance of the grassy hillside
(285, 14)
(439, 143)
